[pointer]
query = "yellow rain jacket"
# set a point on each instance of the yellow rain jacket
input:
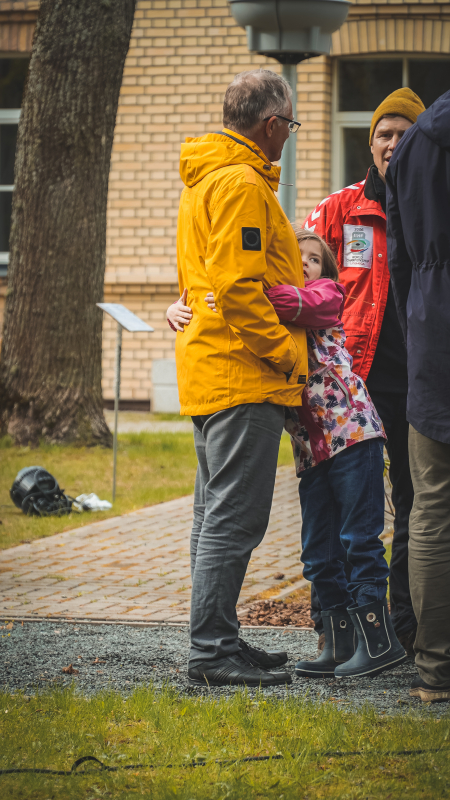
(235, 240)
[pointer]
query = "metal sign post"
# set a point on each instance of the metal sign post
(125, 319)
(116, 403)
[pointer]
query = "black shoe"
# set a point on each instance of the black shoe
(378, 647)
(235, 670)
(427, 693)
(339, 646)
(407, 641)
(266, 659)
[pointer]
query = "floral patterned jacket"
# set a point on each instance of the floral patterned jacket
(337, 410)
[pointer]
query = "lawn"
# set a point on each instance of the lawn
(152, 468)
(51, 730)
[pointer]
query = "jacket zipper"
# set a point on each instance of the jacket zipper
(343, 386)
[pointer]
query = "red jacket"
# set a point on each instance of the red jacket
(355, 229)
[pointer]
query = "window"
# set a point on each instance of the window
(429, 79)
(357, 155)
(360, 86)
(364, 84)
(13, 72)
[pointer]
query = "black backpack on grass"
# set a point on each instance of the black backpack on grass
(37, 493)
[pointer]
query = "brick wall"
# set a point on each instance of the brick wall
(149, 301)
(183, 54)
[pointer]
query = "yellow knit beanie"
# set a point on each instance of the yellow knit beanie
(402, 103)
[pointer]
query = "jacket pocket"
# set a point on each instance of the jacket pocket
(356, 343)
(298, 375)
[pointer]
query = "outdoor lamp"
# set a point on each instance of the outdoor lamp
(289, 31)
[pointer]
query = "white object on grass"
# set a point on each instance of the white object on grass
(91, 502)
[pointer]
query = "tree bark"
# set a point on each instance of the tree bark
(50, 370)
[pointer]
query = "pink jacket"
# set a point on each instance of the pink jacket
(319, 305)
(337, 410)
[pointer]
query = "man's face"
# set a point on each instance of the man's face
(385, 139)
(279, 135)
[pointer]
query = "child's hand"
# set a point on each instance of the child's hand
(179, 314)
(209, 300)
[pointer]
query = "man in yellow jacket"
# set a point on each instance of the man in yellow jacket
(239, 367)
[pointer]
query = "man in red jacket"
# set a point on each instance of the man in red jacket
(353, 223)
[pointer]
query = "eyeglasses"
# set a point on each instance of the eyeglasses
(293, 125)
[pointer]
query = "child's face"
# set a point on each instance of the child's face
(312, 259)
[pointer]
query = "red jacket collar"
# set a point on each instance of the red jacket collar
(366, 202)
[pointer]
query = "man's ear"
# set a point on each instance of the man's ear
(270, 126)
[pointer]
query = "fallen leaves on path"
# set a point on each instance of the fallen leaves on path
(97, 661)
(70, 670)
(271, 612)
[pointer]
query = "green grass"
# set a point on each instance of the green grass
(52, 730)
(143, 416)
(285, 456)
(151, 468)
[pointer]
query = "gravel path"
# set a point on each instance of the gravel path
(33, 656)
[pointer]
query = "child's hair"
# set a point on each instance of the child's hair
(329, 266)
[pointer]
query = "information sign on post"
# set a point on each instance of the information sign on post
(125, 319)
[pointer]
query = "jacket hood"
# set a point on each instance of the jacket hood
(201, 156)
(435, 121)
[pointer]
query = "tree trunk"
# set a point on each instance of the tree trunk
(50, 371)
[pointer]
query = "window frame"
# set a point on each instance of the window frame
(8, 116)
(361, 119)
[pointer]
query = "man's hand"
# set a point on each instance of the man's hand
(179, 314)
(209, 300)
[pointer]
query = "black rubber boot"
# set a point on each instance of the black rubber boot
(339, 646)
(266, 659)
(378, 647)
(235, 670)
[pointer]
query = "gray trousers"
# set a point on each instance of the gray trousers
(237, 451)
(429, 556)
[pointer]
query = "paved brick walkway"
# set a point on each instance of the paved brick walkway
(136, 567)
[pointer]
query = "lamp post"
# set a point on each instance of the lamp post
(287, 192)
(289, 31)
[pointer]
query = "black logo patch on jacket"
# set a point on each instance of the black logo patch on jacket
(251, 239)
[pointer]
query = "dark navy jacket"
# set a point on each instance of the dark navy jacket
(418, 245)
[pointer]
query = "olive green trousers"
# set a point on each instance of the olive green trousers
(429, 556)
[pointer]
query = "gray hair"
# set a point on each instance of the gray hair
(251, 96)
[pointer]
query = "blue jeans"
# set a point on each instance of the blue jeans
(342, 502)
